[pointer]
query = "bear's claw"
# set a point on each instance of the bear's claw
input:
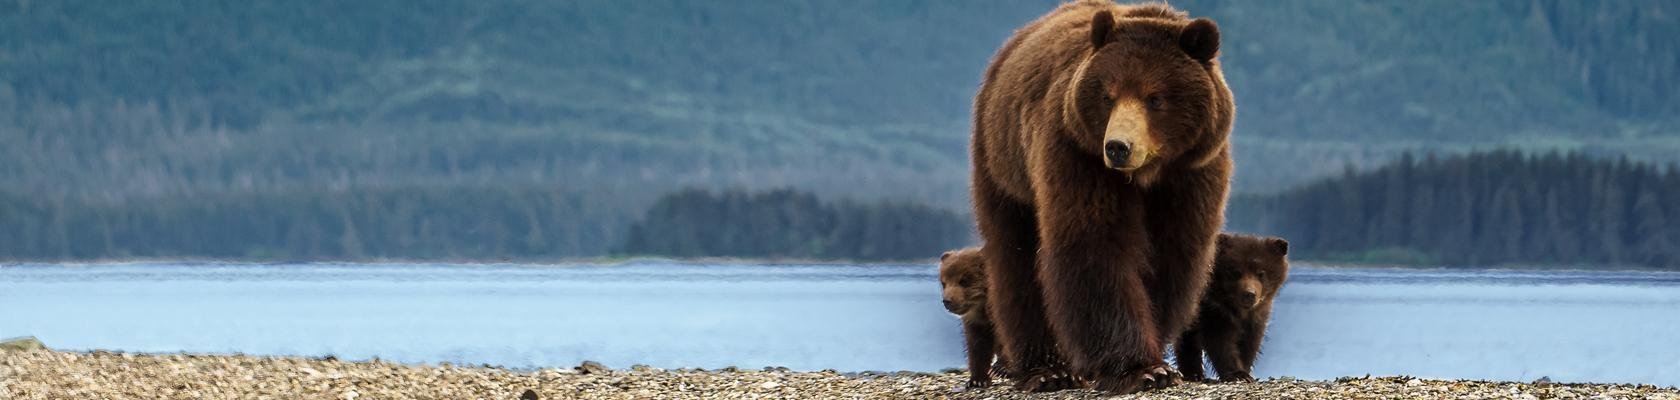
(1046, 381)
(1148, 378)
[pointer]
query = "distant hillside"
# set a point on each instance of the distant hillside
(628, 100)
(753, 87)
(1481, 209)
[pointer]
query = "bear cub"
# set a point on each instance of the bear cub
(1234, 311)
(962, 280)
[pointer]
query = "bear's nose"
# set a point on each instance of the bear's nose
(1118, 152)
(950, 306)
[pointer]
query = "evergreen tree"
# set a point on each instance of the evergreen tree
(1481, 209)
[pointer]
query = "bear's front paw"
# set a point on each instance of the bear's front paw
(1239, 376)
(1148, 378)
(979, 382)
(1046, 380)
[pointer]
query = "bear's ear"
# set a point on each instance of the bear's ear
(944, 256)
(1280, 246)
(1102, 25)
(1200, 39)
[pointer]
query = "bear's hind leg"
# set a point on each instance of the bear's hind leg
(1016, 301)
(1013, 291)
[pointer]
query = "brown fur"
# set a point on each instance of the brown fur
(1094, 264)
(1248, 272)
(962, 279)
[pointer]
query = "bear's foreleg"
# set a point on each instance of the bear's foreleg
(1248, 346)
(1092, 258)
(1224, 353)
(981, 344)
(1186, 211)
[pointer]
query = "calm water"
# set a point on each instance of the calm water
(1329, 322)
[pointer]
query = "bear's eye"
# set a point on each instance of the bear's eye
(1156, 102)
(1107, 99)
(965, 282)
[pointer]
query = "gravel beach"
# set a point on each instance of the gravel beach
(43, 374)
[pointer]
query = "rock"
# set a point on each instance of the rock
(594, 368)
(22, 343)
(644, 368)
(1414, 382)
(769, 385)
(560, 371)
(1544, 380)
(528, 395)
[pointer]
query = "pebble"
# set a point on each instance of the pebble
(41, 374)
(594, 368)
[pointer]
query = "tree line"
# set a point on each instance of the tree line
(1481, 209)
(1502, 208)
(479, 223)
(397, 223)
(786, 223)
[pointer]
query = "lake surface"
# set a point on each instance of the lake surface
(1329, 322)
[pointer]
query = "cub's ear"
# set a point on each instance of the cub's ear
(1102, 25)
(944, 256)
(1280, 246)
(1200, 39)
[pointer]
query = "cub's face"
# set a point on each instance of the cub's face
(962, 279)
(1249, 271)
(1148, 95)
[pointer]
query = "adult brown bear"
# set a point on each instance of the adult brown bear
(1101, 166)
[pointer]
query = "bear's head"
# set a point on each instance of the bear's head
(1149, 93)
(962, 280)
(1248, 271)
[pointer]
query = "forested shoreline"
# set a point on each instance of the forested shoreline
(1494, 209)
(475, 223)
(467, 224)
(1501, 208)
(791, 224)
